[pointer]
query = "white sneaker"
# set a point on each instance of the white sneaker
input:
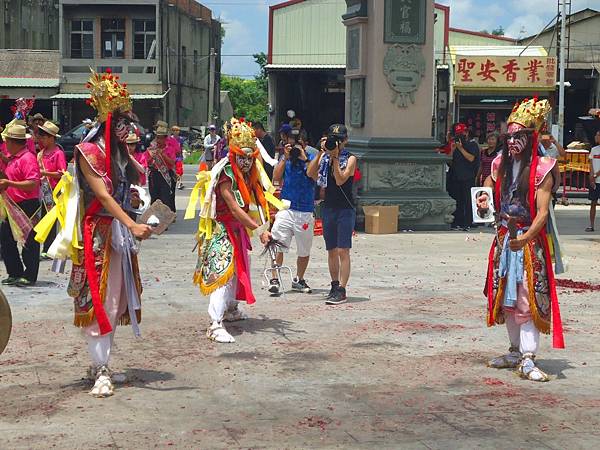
(235, 315)
(217, 332)
(103, 386)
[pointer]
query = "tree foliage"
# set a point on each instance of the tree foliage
(498, 31)
(249, 97)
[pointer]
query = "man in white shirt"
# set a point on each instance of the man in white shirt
(594, 192)
(551, 147)
(210, 141)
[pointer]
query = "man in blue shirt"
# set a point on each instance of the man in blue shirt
(297, 221)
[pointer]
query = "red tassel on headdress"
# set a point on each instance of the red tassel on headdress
(107, 126)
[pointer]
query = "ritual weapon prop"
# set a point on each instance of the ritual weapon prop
(271, 248)
(5, 322)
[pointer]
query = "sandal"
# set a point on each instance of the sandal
(235, 315)
(217, 333)
(529, 371)
(103, 387)
(589, 229)
(508, 361)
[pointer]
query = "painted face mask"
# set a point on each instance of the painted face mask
(244, 163)
(516, 139)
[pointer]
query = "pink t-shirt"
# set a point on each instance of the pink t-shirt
(171, 150)
(54, 161)
(142, 158)
(23, 167)
(30, 144)
(4, 152)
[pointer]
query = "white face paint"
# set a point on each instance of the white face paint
(517, 143)
(244, 163)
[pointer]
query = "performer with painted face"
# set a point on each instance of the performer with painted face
(234, 197)
(105, 281)
(520, 286)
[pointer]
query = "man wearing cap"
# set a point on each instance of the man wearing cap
(161, 162)
(52, 162)
(22, 184)
(464, 166)
(210, 141)
(333, 170)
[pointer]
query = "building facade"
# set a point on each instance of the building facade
(31, 24)
(166, 52)
(582, 43)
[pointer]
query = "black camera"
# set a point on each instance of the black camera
(295, 152)
(331, 142)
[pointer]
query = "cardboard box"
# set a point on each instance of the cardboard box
(381, 219)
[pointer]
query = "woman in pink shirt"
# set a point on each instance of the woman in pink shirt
(22, 185)
(53, 164)
(139, 159)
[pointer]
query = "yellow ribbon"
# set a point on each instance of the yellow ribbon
(60, 194)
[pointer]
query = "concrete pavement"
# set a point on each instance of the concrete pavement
(401, 365)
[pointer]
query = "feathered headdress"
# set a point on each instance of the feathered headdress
(107, 95)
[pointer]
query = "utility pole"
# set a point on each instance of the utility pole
(561, 69)
(211, 86)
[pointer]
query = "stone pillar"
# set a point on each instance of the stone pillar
(389, 110)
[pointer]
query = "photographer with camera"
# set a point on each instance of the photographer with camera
(333, 170)
(297, 221)
(463, 169)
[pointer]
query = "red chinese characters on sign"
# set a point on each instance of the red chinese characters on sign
(533, 69)
(487, 70)
(464, 69)
(510, 70)
(505, 71)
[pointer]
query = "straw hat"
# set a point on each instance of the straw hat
(161, 124)
(175, 128)
(50, 128)
(18, 132)
(132, 139)
(162, 131)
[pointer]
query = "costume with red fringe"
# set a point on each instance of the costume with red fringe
(538, 273)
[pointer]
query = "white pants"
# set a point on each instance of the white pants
(300, 225)
(223, 300)
(115, 305)
(525, 336)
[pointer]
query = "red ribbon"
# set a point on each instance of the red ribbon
(92, 276)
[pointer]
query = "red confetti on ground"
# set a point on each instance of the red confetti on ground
(493, 382)
(581, 285)
(316, 421)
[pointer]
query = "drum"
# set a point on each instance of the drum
(5, 322)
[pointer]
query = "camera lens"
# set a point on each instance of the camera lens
(331, 142)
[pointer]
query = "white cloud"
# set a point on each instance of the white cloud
(526, 25)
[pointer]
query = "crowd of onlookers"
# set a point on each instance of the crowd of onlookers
(471, 165)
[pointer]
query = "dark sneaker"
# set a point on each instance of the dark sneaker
(301, 286)
(334, 286)
(24, 282)
(339, 297)
(274, 286)
(10, 281)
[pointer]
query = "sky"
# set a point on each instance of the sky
(247, 23)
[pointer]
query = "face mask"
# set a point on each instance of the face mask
(516, 144)
(244, 163)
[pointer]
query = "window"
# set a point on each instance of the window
(183, 64)
(82, 38)
(113, 38)
(195, 63)
(144, 35)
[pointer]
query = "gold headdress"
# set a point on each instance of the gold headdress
(107, 95)
(240, 135)
(531, 113)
